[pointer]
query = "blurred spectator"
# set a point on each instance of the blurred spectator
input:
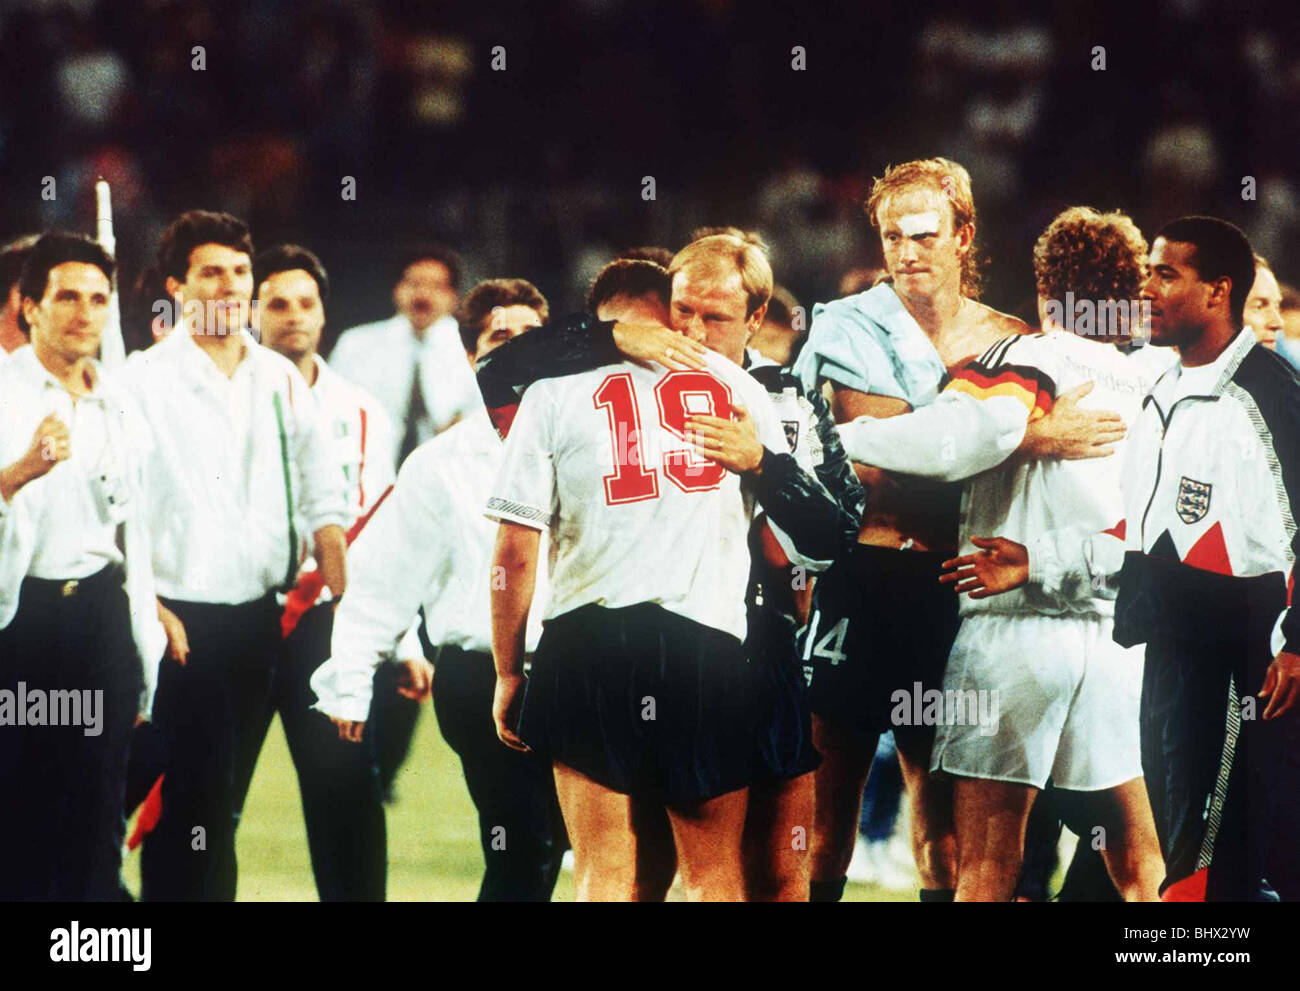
(1263, 312)
(524, 133)
(860, 279)
(1288, 342)
(784, 329)
(413, 362)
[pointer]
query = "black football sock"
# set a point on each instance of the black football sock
(826, 891)
(938, 894)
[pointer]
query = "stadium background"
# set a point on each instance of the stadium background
(537, 171)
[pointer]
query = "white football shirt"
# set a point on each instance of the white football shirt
(635, 515)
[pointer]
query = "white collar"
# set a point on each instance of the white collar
(324, 374)
(189, 351)
(26, 362)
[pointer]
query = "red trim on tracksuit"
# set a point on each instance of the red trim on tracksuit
(361, 468)
(1189, 889)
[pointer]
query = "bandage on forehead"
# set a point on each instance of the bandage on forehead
(916, 224)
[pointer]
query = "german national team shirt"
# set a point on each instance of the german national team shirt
(1050, 505)
(600, 459)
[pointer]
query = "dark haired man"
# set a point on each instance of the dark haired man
(340, 784)
(630, 278)
(662, 257)
(241, 469)
(502, 309)
(12, 257)
(1212, 492)
(412, 361)
(80, 639)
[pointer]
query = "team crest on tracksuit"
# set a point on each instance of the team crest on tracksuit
(791, 433)
(1193, 500)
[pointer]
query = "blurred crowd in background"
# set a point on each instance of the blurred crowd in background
(538, 169)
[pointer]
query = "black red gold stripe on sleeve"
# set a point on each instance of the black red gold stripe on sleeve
(1028, 385)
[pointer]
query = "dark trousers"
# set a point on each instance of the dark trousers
(520, 826)
(211, 714)
(61, 832)
(339, 781)
(1209, 773)
(393, 718)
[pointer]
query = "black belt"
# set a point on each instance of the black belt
(109, 577)
(450, 654)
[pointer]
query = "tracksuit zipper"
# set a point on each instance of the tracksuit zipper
(1160, 458)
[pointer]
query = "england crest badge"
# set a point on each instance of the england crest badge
(1193, 500)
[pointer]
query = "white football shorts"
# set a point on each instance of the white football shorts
(1059, 699)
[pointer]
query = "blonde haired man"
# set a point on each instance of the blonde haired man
(1061, 696)
(666, 625)
(880, 622)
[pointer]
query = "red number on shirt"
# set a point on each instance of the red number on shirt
(677, 395)
(630, 482)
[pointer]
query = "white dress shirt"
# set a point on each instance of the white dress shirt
(64, 525)
(428, 544)
(75, 539)
(240, 470)
(380, 357)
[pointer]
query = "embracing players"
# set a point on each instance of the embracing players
(1056, 696)
(639, 691)
(880, 619)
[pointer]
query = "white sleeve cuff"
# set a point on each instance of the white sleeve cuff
(153, 652)
(517, 512)
(410, 647)
(343, 691)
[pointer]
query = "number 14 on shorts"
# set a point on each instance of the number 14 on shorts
(831, 645)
